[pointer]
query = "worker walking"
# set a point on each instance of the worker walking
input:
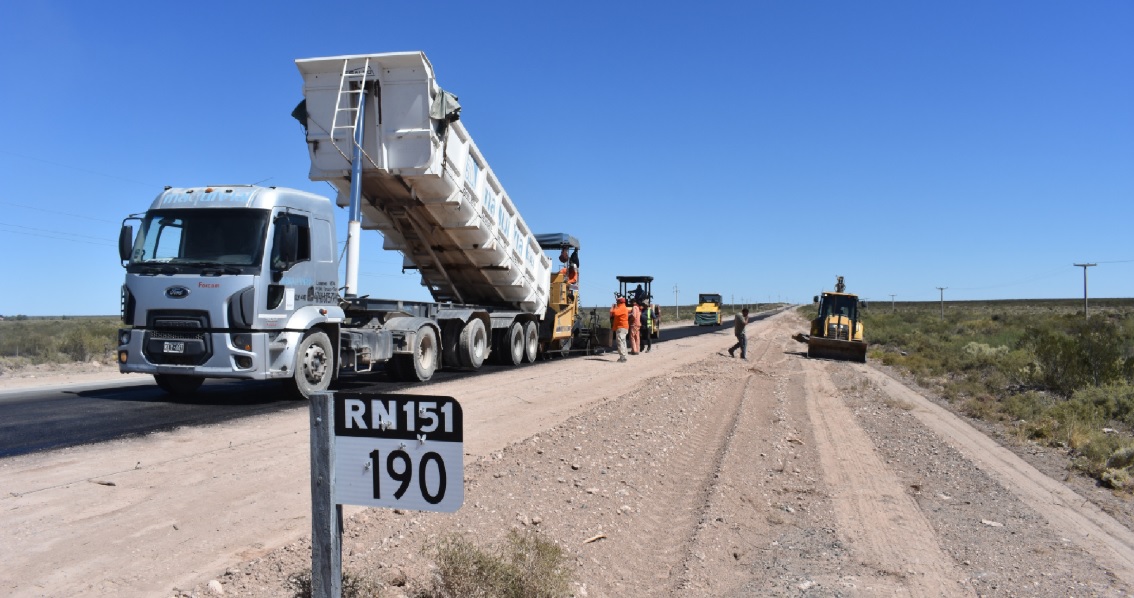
(647, 326)
(619, 324)
(739, 324)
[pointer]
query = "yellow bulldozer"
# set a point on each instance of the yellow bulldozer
(837, 331)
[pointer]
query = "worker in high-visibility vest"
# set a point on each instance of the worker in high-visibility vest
(647, 326)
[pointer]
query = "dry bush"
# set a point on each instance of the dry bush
(528, 566)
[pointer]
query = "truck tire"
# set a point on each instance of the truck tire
(314, 366)
(531, 342)
(451, 333)
(510, 345)
(178, 385)
(420, 365)
(473, 344)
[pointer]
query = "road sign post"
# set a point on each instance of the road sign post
(379, 450)
(326, 516)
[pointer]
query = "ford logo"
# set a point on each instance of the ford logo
(177, 292)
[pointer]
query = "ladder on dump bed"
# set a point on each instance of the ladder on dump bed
(352, 95)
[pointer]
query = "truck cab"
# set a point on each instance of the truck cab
(228, 282)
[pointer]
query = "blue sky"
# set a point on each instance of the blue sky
(754, 149)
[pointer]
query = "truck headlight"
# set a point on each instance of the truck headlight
(242, 341)
(123, 336)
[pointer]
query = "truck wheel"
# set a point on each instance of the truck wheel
(178, 385)
(510, 345)
(451, 333)
(420, 365)
(473, 344)
(314, 366)
(531, 342)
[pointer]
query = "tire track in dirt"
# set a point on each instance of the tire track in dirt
(738, 523)
(710, 485)
(674, 510)
(1070, 514)
(885, 527)
(669, 520)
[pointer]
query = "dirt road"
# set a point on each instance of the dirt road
(701, 475)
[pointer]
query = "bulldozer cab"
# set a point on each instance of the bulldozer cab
(838, 305)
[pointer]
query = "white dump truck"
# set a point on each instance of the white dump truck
(241, 281)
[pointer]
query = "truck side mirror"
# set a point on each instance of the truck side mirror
(125, 242)
(862, 304)
(815, 299)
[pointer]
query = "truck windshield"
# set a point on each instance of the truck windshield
(228, 237)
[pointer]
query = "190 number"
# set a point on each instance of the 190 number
(399, 466)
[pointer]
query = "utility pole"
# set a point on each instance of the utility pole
(675, 305)
(891, 303)
(1084, 267)
(942, 289)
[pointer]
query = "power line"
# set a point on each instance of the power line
(8, 203)
(57, 237)
(94, 172)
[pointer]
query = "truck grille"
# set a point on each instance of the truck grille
(177, 338)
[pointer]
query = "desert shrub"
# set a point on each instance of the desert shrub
(60, 340)
(527, 566)
(1119, 479)
(1057, 360)
(981, 407)
(1112, 403)
(1027, 406)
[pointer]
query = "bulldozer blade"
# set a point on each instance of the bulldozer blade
(825, 348)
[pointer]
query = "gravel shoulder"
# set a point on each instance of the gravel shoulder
(680, 473)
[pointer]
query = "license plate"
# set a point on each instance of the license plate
(172, 347)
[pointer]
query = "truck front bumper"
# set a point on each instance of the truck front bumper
(270, 355)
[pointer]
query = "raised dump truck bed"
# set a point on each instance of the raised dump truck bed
(424, 184)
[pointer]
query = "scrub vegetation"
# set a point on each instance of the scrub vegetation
(526, 565)
(1038, 368)
(36, 341)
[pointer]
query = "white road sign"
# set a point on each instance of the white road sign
(399, 451)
